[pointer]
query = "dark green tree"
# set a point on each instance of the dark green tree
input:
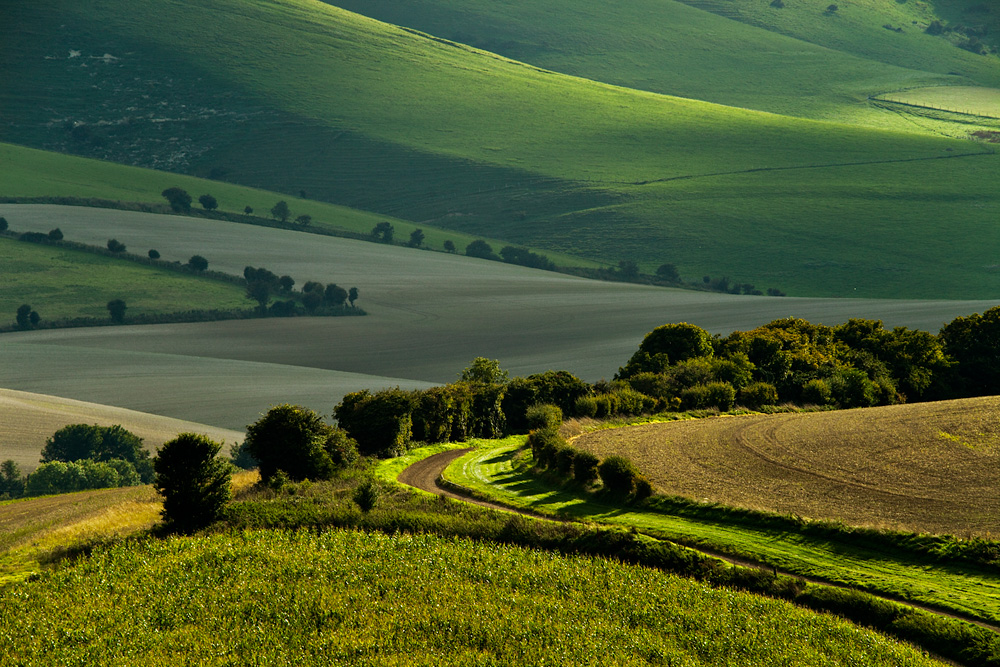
(259, 291)
(116, 308)
(179, 200)
(334, 295)
(198, 263)
(485, 371)
(304, 220)
(286, 283)
(383, 232)
(194, 482)
(352, 295)
(668, 272)
(11, 479)
(55, 234)
(481, 249)
(3, 224)
(294, 440)
(115, 246)
(280, 211)
(154, 254)
(416, 238)
(208, 202)
(449, 246)
(628, 269)
(23, 316)
(247, 210)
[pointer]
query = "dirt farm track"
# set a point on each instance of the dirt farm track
(430, 314)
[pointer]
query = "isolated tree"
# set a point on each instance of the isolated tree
(449, 246)
(628, 269)
(198, 263)
(334, 295)
(280, 211)
(248, 210)
(34, 318)
(55, 234)
(179, 200)
(3, 224)
(11, 479)
(481, 249)
(23, 316)
(194, 482)
(352, 295)
(116, 308)
(668, 272)
(303, 220)
(383, 232)
(416, 238)
(208, 202)
(154, 254)
(115, 246)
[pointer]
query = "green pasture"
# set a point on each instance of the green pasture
(667, 47)
(65, 283)
(344, 597)
(489, 471)
(962, 99)
(299, 96)
(858, 28)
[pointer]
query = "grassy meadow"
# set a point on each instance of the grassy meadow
(497, 472)
(566, 164)
(65, 283)
(354, 598)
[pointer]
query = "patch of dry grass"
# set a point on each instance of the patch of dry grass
(931, 467)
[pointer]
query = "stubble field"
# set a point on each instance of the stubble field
(922, 467)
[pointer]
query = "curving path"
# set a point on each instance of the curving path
(426, 474)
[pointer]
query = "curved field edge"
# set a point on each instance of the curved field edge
(918, 467)
(29, 419)
(450, 601)
(970, 591)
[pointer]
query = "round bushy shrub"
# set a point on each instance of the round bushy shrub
(817, 392)
(618, 476)
(194, 483)
(759, 394)
(543, 416)
(585, 467)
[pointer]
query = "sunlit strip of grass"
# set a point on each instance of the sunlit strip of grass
(489, 471)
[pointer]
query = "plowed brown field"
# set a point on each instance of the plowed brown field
(931, 467)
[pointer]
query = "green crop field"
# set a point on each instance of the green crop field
(310, 99)
(355, 598)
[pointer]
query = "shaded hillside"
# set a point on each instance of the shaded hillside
(309, 99)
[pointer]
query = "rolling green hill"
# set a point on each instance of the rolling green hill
(306, 98)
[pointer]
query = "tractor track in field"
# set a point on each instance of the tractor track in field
(426, 476)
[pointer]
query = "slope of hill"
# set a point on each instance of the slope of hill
(347, 597)
(923, 467)
(673, 48)
(312, 99)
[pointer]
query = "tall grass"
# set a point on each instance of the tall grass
(344, 597)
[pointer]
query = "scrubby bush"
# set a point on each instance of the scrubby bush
(558, 388)
(654, 385)
(154, 254)
(585, 467)
(817, 392)
(116, 309)
(618, 476)
(759, 394)
(720, 395)
(381, 423)
(55, 234)
(643, 489)
(110, 444)
(367, 494)
(194, 482)
(241, 458)
(81, 475)
(543, 416)
(545, 445)
(116, 246)
(197, 263)
(565, 458)
(585, 406)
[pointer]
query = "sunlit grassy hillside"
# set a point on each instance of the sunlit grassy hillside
(356, 598)
(310, 99)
